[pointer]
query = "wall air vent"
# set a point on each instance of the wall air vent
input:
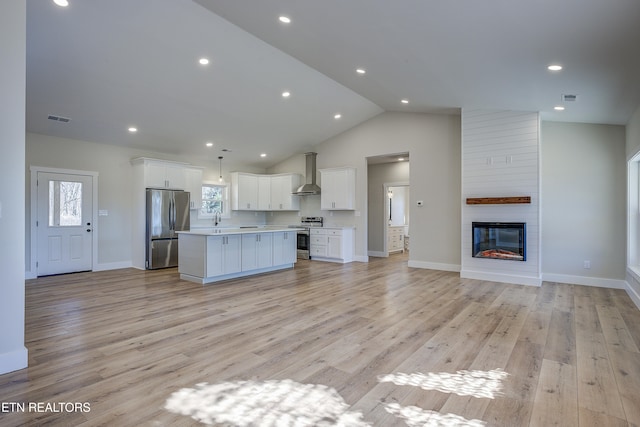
(569, 98)
(59, 119)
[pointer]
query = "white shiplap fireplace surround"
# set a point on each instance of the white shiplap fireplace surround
(501, 158)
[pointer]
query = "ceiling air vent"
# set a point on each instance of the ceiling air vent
(569, 98)
(59, 119)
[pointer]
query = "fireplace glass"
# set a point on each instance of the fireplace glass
(499, 240)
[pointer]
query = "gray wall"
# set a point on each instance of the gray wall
(13, 354)
(583, 201)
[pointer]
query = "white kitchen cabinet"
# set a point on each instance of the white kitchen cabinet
(193, 178)
(264, 192)
(212, 255)
(284, 247)
(338, 189)
(281, 188)
(331, 244)
(160, 174)
(257, 250)
(244, 187)
(222, 255)
(395, 238)
(252, 192)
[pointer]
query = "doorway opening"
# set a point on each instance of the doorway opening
(388, 204)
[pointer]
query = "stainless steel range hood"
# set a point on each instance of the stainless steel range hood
(310, 187)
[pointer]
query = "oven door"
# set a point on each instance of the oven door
(303, 244)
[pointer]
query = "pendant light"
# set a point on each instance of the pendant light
(220, 168)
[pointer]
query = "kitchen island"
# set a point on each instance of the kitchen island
(214, 254)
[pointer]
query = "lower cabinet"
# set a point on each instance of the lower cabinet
(222, 255)
(206, 258)
(331, 244)
(284, 247)
(256, 251)
(395, 238)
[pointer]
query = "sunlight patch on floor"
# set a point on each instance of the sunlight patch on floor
(487, 384)
(418, 417)
(264, 403)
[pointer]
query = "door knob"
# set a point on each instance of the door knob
(88, 230)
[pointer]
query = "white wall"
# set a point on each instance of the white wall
(13, 354)
(500, 157)
(114, 193)
(583, 215)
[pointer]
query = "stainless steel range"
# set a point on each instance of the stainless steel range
(304, 240)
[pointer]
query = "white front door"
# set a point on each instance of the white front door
(64, 223)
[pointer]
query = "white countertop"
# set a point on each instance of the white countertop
(215, 231)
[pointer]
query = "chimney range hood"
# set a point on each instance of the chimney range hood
(310, 187)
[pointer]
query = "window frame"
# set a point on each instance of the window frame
(226, 211)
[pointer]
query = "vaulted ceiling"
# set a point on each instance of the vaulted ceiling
(111, 65)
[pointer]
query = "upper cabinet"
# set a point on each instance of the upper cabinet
(244, 191)
(253, 192)
(193, 184)
(162, 174)
(281, 188)
(338, 189)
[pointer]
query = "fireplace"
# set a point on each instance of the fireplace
(499, 240)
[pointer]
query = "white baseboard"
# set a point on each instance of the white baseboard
(113, 266)
(29, 275)
(584, 280)
(633, 283)
(14, 361)
(361, 258)
(434, 266)
(502, 278)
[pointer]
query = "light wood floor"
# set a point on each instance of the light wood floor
(124, 340)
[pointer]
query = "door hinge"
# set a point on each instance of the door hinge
(37, 223)
(36, 264)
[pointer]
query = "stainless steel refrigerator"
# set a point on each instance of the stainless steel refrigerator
(167, 212)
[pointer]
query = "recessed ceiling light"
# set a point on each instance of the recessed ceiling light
(337, 116)
(401, 159)
(209, 144)
(203, 61)
(286, 94)
(263, 155)
(404, 101)
(558, 108)
(361, 71)
(133, 129)
(61, 3)
(284, 19)
(554, 67)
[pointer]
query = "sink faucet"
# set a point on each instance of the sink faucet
(217, 218)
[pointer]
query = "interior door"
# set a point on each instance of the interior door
(64, 223)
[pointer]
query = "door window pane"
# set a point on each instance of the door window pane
(65, 203)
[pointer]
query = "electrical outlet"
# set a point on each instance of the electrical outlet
(587, 264)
